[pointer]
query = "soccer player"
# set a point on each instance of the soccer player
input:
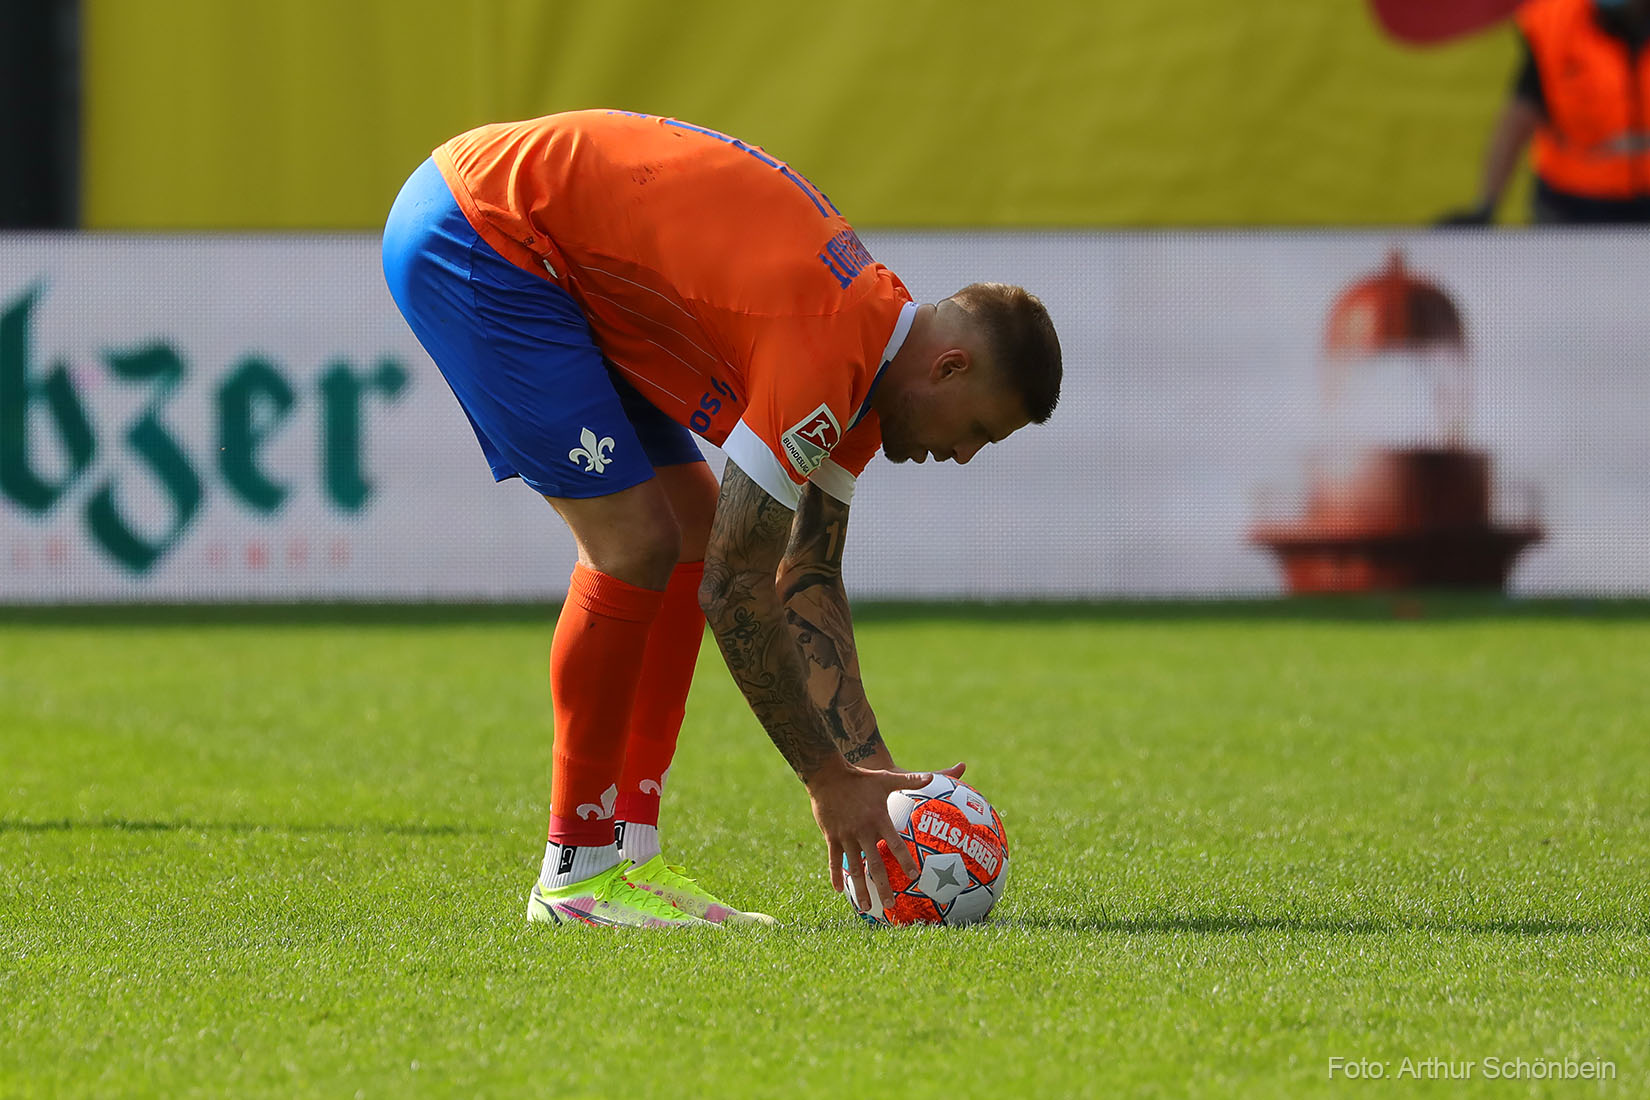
(599, 286)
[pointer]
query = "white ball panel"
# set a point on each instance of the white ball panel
(971, 906)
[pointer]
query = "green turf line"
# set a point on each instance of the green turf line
(1354, 608)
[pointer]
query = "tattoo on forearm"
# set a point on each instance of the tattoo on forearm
(816, 610)
(865, 749)
(741, 601)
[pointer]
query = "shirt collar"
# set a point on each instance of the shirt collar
(902, 329)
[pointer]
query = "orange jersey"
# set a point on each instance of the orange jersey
(722, 284)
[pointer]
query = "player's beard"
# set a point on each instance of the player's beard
(897, 445)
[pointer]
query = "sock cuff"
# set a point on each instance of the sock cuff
(612, 598)
(579, 832)
(567, 864)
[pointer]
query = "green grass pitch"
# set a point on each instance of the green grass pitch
(288, 853)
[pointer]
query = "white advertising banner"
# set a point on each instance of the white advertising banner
(247, 419)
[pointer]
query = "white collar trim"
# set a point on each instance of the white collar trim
(902, 329)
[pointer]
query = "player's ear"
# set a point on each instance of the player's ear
(951, 362)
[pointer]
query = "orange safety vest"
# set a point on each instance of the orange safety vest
(1595, 141)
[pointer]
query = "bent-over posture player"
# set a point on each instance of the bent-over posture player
(599, 286)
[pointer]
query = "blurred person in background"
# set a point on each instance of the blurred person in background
(1582, 95)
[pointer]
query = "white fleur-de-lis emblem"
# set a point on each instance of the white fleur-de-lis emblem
(648, 786)
(610, 798)
(595, 454)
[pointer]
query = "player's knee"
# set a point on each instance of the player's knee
(644, 554)
(631, 535)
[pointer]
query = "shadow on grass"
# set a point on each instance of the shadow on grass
(125, 825)
(1244, 924)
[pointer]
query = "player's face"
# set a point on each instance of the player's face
(951, 416)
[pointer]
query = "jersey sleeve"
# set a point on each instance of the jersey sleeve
(838, 474)
(808, 384)
(800, 400)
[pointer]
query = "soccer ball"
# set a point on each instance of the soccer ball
(958, 842)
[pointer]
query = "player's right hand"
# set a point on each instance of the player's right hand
(851, 809)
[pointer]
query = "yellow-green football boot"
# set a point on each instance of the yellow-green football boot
(608, 900)
(672, 885)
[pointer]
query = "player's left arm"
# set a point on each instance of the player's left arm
(817, 613)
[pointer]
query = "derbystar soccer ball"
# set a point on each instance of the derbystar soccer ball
(958, 841)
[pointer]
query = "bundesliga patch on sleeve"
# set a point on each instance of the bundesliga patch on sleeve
(810, 440)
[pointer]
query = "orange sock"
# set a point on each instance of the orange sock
(595, 664)
(661, 698)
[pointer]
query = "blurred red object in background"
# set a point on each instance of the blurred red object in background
(1433, 22)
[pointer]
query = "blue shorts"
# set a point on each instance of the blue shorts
(519, 356)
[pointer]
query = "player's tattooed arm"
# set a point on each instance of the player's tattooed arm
(816, 610)
(740, 596)
(741, 601)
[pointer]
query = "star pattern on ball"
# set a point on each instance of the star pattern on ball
(943, 877)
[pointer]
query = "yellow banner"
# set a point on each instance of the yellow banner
(310, 113)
